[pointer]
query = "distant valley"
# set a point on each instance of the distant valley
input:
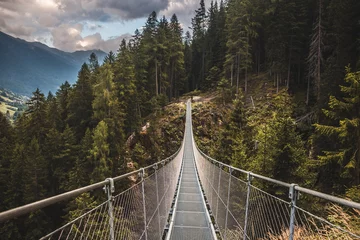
(26, 66)
(12, 104)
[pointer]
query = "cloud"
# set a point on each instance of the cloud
(65, 36)
(94, 27)
(68, 38)
(95, 41)
(54, 21)
(134, 8)
(14, 29)
(184, 10)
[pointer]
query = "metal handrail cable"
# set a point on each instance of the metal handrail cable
(19, 211)
(325, 196)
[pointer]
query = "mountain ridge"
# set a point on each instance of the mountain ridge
(29, 65)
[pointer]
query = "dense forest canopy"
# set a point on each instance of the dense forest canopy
(308, 50)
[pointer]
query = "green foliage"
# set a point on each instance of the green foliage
(78, 136)
(345, 133)
(79, 105)
(100, 152)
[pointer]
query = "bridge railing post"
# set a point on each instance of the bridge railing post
(249, 179)
(293, 194)
(157, 198)
(218, 193)
(227, 204)
(109, 190)
(212, 185)
(142, 174)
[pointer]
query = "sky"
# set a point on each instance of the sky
(72, 25)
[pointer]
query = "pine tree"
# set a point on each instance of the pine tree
(163, 56)
(62, 98)
(280, 152)
(126, 86)
(177, 71)
(240, 28)
(188, 62)
(79, 175)
(80, 103)
(93, 63)
(110, 58)
(104, 92)
(198, 46)
(149, 42)
(344, 151)
(315, 59)
(100, 152)
(34, 122)
(7, 139)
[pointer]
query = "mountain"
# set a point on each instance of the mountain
(25, 66)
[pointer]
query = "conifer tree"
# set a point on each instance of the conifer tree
(62, 98)
(100, 152)
(177, 72)
(125, 82)
(34, 123)
(198, 46)
(110, 58)
(7, 139)
(315, 58)
(80, 103)
(188, 62)
(343, 152)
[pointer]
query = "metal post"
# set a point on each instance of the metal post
(227, 202)
(212, 181)
(218, 193)
(165, 191)
(144, 202)
(157, 198)
(109, 190)
(249, 179)
(293, 196)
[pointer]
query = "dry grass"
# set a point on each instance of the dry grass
(4, 108)
(316, 229)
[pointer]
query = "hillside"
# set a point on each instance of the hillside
(11, 104)
(26, 66)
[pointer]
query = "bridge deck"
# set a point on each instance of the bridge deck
(191, 219)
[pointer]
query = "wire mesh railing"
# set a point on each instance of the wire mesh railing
(139, 212)
(241, 210)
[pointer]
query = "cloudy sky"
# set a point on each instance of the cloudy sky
(72, 25)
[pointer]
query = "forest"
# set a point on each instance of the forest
(307, 131)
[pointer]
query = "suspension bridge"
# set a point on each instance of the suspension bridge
(192, 196)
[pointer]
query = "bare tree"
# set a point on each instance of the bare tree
(315, 57)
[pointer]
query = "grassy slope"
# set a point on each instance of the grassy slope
(160, 137)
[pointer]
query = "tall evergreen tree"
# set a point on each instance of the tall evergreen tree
(198, 46)
(343, 153)
(100, 152)
(80, 103)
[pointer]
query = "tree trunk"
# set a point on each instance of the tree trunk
(171, 81)
(203, 67)
(232, 73)
(156, 78)
(259, 59)
(274, 77)
(246, 61)
(246, 80)
(277, 83)
(238, 75)
(289, 65)
(299, 72)
(318, 72)
(357, 161)
(308, 91)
